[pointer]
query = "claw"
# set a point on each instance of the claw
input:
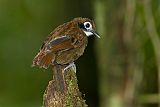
(71, 65)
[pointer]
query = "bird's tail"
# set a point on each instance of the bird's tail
(43, 60)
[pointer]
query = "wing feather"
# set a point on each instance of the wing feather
(49, 49)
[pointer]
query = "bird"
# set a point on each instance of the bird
(66, 43)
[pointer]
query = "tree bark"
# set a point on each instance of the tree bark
(63, 90)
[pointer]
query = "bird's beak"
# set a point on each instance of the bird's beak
(95, 33)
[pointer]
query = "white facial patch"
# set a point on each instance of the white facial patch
(87, 25)
(88, 33)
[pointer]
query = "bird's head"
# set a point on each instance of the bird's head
(87, 26)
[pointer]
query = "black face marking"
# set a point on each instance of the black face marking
(81, 25)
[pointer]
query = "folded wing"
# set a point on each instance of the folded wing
(48, 51)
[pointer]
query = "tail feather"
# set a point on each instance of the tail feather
(43, 60)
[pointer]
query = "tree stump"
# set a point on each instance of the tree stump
(63, 90)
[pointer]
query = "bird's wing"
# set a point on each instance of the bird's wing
(60, 43)
(49, 49)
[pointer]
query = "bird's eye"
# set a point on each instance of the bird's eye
(87, 25)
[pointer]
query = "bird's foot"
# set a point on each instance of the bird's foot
(71, 65)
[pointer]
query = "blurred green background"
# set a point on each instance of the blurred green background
(122, 69)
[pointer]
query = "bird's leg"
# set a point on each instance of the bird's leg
(71, 65)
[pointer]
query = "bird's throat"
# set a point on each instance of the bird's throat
(88, 33)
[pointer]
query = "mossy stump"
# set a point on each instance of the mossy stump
(70, 96)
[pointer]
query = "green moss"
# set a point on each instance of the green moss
(73, 95)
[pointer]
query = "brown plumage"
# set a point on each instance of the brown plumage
(66, 43)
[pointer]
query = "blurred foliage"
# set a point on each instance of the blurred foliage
(128, 54)
(120, 69)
